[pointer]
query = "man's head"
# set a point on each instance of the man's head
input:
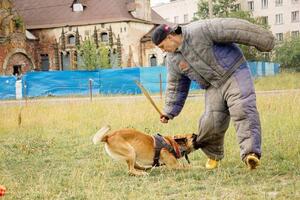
(167, 38)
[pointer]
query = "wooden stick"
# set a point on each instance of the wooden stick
(145, 92)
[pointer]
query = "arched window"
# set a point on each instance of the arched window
(104, 37)
(71, 39)
(153, 60)
(65, 61)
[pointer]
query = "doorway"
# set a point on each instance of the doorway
(17, 70)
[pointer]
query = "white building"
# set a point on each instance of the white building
(281, 15)
(177, 11)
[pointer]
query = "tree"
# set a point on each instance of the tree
(93, 57)
(221, 8)
(228, 8)
(104, 56)
(288, 53)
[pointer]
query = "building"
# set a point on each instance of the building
(57, 27)
(177, 11)
(182, 11)
(17, 45)
(281, 15)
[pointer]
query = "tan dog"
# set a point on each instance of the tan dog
(142, 151)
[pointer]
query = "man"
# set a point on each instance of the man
(205, 51)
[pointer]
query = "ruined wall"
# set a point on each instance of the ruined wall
(15, 49)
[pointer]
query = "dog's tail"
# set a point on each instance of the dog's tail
(100, 135)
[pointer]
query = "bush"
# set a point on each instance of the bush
(287, 53)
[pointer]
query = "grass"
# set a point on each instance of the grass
(282, 81)
(51, 156)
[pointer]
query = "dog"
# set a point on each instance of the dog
(142, 151)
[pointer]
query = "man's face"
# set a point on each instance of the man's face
(169, 44)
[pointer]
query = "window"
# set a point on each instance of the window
(77, 7)
(279, 36)
(264, 4)
(264, 20)
(71, 39)
(278, 3)
(167, 19)
(237, 6)
(279, 19)
(295, 34)
(295, 16)
(44, 62)
(104, 37)
(186, 18)
(153, 60)
(65, 61)
(176, 19)
(250, 5)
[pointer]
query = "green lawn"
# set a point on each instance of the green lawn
(282, 81)
(51, 156)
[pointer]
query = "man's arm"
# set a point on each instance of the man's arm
(177, 90)
(239, 31)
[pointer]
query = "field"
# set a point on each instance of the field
(47, 153)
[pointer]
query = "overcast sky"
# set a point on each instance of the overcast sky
(154, 2)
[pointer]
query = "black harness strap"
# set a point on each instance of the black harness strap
(160, 143)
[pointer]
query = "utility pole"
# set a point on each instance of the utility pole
(210, 9)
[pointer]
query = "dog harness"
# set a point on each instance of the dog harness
(160, 143)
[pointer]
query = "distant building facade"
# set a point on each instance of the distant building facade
(177, 11)
(281, 15)
(52, 29)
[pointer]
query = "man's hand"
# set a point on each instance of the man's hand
(164, 119)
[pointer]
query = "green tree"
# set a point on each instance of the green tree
(287, 53)
(221, 8)
(228, 8)
(93, 57)
(104, 56)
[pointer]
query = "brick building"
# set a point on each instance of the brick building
(55, 27)
(17, 45)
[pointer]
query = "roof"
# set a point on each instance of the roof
(39, 14)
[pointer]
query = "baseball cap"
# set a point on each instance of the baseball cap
(161, 32)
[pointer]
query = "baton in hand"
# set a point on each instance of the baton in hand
(145, 92)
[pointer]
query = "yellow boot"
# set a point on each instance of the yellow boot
(252, 161)
(211, 164)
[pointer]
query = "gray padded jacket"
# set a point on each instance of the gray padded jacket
(209, 56)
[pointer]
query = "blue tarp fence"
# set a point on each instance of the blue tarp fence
(8, 87)
(107, 81)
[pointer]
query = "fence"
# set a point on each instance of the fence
(7, 87)
(108, 81)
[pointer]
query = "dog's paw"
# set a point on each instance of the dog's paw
(138, 173)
